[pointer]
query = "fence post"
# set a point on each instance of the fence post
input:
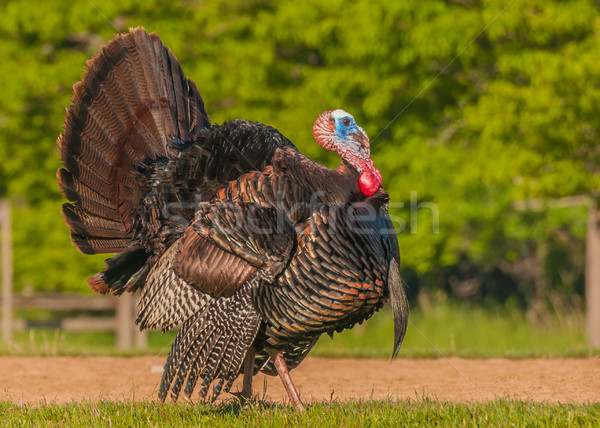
(7, 271)
(592, 277)
(124, 317)
(127, 332)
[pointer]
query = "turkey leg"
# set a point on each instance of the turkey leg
(284, 374)
(248, 373)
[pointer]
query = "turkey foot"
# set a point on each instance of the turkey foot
(284, 374)
(246, 394)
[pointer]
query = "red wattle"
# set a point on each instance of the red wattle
(369, 182)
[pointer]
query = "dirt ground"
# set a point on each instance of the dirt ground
(62, 379)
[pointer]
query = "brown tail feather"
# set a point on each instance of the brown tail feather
(133, 100)
(85, 197)
(89, 245)
(80, 222)
(122, 272)
(84, 174)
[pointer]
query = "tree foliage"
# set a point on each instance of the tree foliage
(471, 105)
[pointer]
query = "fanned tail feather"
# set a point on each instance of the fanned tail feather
(131, 103)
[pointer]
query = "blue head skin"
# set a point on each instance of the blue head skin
(347, 129)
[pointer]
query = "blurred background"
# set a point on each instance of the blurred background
(483, 117)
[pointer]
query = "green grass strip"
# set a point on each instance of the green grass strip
(425, 412)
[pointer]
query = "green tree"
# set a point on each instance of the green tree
(471, 121)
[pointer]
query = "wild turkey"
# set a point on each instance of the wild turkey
(227, 230)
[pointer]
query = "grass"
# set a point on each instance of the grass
(438, 328)
(452, 329)
(51, 342)
(421, 412)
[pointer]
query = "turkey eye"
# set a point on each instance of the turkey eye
(346, 121)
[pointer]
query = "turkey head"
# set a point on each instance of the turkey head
(336, 130)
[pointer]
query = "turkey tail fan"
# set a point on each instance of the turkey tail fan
(131, 104)
(211, 345)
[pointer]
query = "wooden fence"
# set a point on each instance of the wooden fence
(122, 323)
(127, 335)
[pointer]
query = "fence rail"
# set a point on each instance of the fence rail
(122, 323)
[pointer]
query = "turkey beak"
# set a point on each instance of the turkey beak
(362, 138)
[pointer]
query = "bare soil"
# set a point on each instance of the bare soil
(62, 379)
